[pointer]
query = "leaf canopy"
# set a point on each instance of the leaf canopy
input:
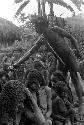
(22, 7)
(77, 3)
(62, 3)
(18, 1)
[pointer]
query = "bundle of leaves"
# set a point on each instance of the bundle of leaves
(10, 98)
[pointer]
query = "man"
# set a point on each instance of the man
(58, 76)
(41, 93)
(39, 65)
(14, 99)
(55, 37)
(62, 109)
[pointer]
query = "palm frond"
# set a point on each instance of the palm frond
(62, 3)
(78, 3)
(18, 1)
(22, 7)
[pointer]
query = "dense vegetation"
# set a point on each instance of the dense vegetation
(19, 47)
(8, 32)
(75, 26)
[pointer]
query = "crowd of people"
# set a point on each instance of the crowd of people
(43, 96)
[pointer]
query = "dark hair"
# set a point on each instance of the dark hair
(38, 64)
(60, 87)
(32, 75)
(58, 74)
(11, 96)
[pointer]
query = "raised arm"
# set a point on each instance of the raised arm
(27, 55)
(40, 41)
(49, 102)
(38, 114)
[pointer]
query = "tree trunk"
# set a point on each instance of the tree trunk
(43, 8)
(51, 13)
(39, 8)
(51, 8)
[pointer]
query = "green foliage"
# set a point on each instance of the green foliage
(18, 1)
(8, 32)
(62, 3)
(58, 2)
(22, 7)
(18, 48)
(29, 37)
(78, 3)
(77, 30)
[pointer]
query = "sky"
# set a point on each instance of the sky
(8, 9)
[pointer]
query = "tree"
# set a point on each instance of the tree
(77, 3)
(41, 7)
(18, 1)
(21, 7)
(24, 4)
(9, 32)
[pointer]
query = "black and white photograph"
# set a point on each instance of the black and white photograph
(41, 62)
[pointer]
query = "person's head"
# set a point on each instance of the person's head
(50, 56)
(57, 76)
(40, 23)
(38, 65)
(61, 89)
(38, 57)
(34, 80)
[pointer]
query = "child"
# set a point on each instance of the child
(41, 93)
(62, 109)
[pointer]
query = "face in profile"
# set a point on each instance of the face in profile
(35, 85)
(54, 80)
